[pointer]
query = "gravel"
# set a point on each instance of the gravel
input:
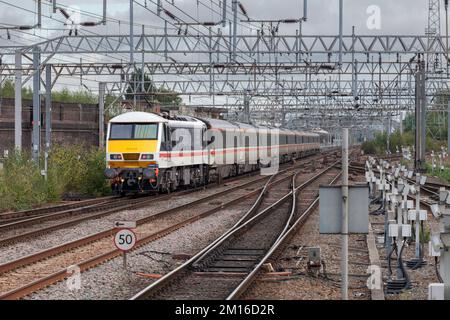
(109, 281)
(421, 277)
(305, 285)
(83, 229)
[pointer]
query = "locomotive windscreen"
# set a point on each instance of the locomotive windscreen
(128, 131)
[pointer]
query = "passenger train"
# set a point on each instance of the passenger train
(150, 152)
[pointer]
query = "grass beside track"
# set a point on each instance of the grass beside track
(72, 170)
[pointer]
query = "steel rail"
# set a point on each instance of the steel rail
(94, 237)
(35, 257)
(7, 217)
(133, 205)
(60, 275)
(160, 283)
(97, 208)
(240, 289)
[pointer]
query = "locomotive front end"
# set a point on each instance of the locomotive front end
(132, 152)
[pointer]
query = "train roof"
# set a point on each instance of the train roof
(320, 131)
(146, 117)
(137, 116)
(218, 124)
(188, 121)
(309, 134)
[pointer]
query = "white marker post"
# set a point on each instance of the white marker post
(124, 240)
(344, 249)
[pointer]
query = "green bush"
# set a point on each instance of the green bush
(74, 170)
(21, 183)
(443, 174)
(78, 170)
(369, 147)
(396, 140)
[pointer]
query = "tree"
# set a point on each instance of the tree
(64, 95)
(153, 95)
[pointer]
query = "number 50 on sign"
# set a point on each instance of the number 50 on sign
(125, 239)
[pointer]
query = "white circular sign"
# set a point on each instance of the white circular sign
(125, 239)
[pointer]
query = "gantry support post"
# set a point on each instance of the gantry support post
(36, 134)
(48, 115)
(420, 118)
(448, 127)
(101, 115)
(18, 102)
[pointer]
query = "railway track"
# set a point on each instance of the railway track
(12, 217)
(21, 219)
(225, 268)
(44, 268)
(22, 230)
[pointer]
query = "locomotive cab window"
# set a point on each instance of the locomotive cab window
(121, 131)
(145, 131)
(129, 131)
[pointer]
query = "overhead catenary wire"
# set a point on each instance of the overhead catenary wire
(196, 29)
(49, 17)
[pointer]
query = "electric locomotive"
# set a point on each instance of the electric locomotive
(149, 152)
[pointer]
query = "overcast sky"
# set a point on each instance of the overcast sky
(403, 17)
(397, 17)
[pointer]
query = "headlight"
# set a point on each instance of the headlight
(147, 157)
(115, 156)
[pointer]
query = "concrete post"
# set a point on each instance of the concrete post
(448, 128)
(341, 26)
(36, 134)
(417, 222)
(389, 133)
(48, 115)
(420, 118)
(401, 122)
(48, 106)
(18, 102)
(101, 115)
(344, 248)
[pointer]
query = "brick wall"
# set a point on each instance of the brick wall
(72, 123)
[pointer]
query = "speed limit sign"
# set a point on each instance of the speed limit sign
(125, 239)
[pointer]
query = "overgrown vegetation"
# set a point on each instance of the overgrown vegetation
(435, 138)
(396, 141)
(443, 174)
(154, 95)
(63, 96)
(72, 170)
